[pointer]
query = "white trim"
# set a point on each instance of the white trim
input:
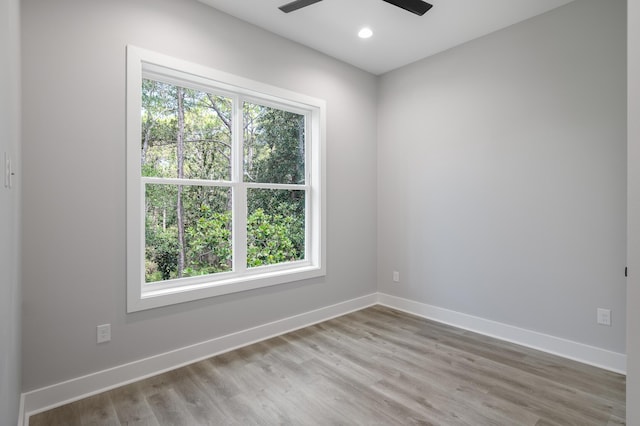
(187, 182)
(49, 397)
(239, 195)
(143, 63)
(569, 349)
(22, 419)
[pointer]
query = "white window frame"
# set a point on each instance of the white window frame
(142, 63)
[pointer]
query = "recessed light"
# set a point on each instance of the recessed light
(365, 33)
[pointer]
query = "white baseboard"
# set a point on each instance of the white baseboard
(49, 397)
(21, 416)
(586, 354)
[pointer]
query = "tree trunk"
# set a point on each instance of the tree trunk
(180, 160)
(145, 141)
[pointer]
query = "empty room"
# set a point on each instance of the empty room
(320, 212)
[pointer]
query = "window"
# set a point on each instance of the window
(224, 183)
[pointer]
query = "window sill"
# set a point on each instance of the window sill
(155, 296)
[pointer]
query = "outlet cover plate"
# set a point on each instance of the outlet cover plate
(604, 316)
(103, 333)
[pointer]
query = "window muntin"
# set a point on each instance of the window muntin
(249, 178)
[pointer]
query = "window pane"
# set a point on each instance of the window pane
(196, 242)
(275, 226)
(273, 145)
(186, 133)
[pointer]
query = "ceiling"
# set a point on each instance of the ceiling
(399, 38)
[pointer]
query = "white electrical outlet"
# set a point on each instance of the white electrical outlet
(396, 276)
(604, 316)
(103, 333)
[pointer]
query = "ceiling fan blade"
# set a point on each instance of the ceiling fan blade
(418, 7)
(298, 4)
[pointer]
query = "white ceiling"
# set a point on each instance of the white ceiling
(400, 37)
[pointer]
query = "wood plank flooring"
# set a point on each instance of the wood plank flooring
(377, 366)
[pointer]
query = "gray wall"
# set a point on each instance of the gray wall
(10, 386)
(74, 188)
(501, 175)
(633, 288)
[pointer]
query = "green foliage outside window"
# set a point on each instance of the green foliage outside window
(187, 134)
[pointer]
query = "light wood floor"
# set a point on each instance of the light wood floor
(373, 367)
